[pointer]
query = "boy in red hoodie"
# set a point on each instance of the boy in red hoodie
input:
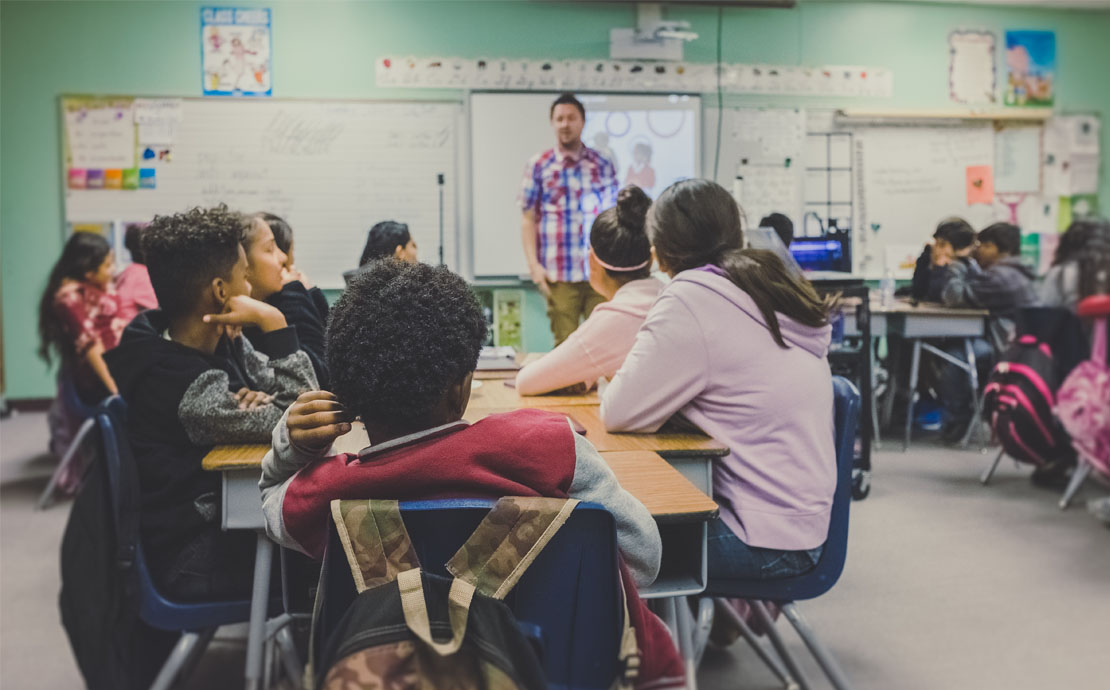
(402, 346)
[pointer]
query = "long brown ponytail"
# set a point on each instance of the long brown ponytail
(697, 222)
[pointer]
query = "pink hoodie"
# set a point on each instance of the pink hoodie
(598, 347)
(705, 351)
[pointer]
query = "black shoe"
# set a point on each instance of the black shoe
(953, 432)
(1054, 476)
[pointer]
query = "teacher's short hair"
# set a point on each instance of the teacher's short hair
(565, 99)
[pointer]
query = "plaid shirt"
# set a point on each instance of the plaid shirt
(567, 193)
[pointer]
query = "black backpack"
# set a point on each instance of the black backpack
(1021, 391)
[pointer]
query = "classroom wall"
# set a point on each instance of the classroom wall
(327, 50)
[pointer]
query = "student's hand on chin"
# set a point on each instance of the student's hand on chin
(316, 419)
(242, 310)
(293, 274)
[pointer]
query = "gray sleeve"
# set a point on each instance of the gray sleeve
(957, 291)
(283, 377)
(211, 415)
(1060, 287)
(282, 461)
(637, 533)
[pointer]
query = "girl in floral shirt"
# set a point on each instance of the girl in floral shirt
(79, 315)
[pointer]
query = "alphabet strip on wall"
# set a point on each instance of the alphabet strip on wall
(626, 75)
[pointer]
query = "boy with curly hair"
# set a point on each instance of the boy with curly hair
(191, 381)
(403, 343)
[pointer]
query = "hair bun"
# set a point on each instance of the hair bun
(632, 208)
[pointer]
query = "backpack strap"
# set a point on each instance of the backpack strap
(507, 541)
(375, 540)
(629, 653)
(415, 607)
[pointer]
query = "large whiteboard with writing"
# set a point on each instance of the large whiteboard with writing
(331, 168)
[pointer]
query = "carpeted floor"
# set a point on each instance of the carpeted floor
(948, 584)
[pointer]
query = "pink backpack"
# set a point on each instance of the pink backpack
(1083, 401)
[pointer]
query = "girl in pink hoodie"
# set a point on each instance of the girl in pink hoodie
(738, 346)
(620, 270)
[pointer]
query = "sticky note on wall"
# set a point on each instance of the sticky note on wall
(131, 178)
(980, 184)
(146, 178)
(94, 179)
(113, 179)
(77, 178)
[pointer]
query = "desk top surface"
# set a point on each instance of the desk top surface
(652, 480)
(498, 394)
(906, 307)
(668, 441)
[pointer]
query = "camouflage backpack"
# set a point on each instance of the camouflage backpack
(411, 629)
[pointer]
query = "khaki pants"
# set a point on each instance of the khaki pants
(568, 304)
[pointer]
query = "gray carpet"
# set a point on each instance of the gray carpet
(948, 584)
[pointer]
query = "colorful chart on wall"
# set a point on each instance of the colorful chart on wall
(236, 51)
(1031, 68)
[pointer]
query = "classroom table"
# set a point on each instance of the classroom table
(500, 393)
(915, 322)
(679, 507)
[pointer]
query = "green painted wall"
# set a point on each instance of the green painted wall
(327, 50)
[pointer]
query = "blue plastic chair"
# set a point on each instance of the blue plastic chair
(816, 582)
(569, 598)
(197, 622)
(72, 402)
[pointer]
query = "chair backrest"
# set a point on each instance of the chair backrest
(71, 399)
(846, 406)
(570, 593)
(154, 609)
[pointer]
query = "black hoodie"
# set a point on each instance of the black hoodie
(306, 310)
(180, 403)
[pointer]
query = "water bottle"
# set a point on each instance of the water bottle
(886, 288)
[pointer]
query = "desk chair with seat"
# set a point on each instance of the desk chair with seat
(70, 401)
(197, 621)
(787, 591)
(568, 601)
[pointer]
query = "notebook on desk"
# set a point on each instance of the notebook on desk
(497, 359)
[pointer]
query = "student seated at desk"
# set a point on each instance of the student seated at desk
(1075, 263)
(133, 283)
(191, 382)
(386, 240)
(403, 343)
(953, 241)
(275, 281)
(997, 280)
(620, 271)
(737, 345)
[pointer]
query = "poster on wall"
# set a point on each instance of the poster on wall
(236, 51)
(971, 71)
(1031, 68)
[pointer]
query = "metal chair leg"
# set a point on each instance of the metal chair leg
(973, 380)
(47, 498)
(986, 477)
(686, 642)
(780, 646)
(290, 660)
(176, 661)
(703, 624)
(769, 660)
(912, 393)
(1082, 471)
(824, 657)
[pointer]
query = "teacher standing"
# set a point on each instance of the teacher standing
(564, 189)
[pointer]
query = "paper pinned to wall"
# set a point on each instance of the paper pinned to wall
(971, 70)
(1017, 160)
(980, 184)
(770, 136)
(100, 134)
(766, 189)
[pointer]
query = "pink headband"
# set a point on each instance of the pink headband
(620, 269)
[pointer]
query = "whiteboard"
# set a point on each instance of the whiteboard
(331, 168)
(913, 177)
(507, 129)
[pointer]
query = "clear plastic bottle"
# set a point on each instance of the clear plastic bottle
(886, 288)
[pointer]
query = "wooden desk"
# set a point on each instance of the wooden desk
(497, 394)
(670, 444)
(522, 359)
